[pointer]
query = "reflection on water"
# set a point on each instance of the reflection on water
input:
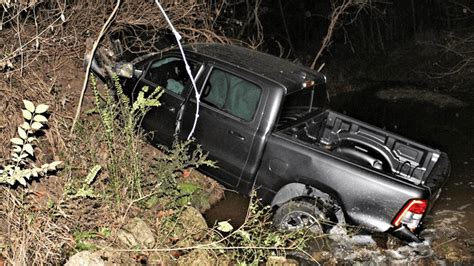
(232, 208)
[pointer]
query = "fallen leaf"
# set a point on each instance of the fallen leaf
(140, 258)
(186, 173)
(176, 254)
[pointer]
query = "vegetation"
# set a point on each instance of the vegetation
(119, 121)
(254, 241)
(21, 167)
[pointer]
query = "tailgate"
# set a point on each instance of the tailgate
(439, 174)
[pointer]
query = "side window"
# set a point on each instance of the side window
(231, 94)
(170, 73)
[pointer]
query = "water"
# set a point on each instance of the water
(232, 208)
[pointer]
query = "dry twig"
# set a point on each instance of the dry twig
(89, 63)
(339, 10)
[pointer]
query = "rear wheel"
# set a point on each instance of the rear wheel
(295, 215)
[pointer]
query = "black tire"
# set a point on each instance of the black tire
(296, 215)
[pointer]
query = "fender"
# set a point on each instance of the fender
(297, 190)
(289, 192)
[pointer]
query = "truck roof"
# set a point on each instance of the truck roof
(288, 74)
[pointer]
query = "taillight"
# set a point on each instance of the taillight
(411, 214)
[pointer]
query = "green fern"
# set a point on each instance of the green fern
(120, 119)
(86, 191)
(90, 178)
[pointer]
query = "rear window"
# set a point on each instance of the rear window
(303, 102)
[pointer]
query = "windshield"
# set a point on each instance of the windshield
(303, 102)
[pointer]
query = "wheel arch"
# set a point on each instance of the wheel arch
(298, 191)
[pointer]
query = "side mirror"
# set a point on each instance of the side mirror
(117, 47)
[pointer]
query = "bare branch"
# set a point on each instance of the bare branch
(91, 56)
(338, 12)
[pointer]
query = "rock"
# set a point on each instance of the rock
(394, 254)
(363, 240)
(135, 232)
(127, 238)
(321, 255)
(160, 259)
(85, 258)
(202, 257)
(212, 191)
(117, 258)
(6, 65)
(193, 227)
(280, 261)
(193, 222)
(469, 242)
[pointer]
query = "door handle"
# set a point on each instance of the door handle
(168, 107)
(236, 134)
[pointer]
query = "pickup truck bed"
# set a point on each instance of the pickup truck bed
(366, 144)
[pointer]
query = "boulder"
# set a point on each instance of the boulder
(136, 232)
(192, 227)
(85, 258)
(280, 261)
(202, 257)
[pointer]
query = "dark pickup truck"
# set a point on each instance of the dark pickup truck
(264, 121)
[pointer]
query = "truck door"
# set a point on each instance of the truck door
(168, 73)
(228, 122)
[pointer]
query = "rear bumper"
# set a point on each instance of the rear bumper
(403, 233)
